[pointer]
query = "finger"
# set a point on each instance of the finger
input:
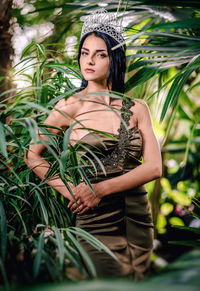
(74, 206)
(79, 201)
(72, 202)
(79, 208)
(75, 197)
(85, 209)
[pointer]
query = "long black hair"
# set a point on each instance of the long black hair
(117, 64)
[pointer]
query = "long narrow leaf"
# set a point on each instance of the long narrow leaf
(20, 216)
(27, 49)
(83, 254)
(38, 257)
(140, 77)
(189, 228)
(189, 243)
(70, 252)
(60, 245)
(169, 97)
(32, 127)
(43, 208)
(92, 240)
(3, 230)
(4, 275)
(190, 140)
(51, 266)
(3, 146)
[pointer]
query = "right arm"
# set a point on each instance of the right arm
(34, 159)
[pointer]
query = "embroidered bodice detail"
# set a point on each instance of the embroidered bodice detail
(124, 132)
(117, 155)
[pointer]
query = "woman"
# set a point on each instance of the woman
(118, 213)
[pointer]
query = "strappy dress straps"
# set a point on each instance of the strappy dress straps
(127, 103)
(126, 113)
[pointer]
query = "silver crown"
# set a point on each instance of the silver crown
(102, 21)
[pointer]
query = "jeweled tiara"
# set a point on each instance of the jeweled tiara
(102, 21)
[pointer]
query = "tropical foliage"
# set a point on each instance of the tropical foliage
(37, 237)
(36, 224)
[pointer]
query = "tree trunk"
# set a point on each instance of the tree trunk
(6, 50)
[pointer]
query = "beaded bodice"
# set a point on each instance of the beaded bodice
(115, 155)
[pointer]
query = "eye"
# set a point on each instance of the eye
(84, 53)
(101, 55)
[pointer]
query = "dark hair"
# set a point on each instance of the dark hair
(117, 66)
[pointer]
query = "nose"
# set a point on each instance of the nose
(90, 60)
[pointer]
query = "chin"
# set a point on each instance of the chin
(92, 78)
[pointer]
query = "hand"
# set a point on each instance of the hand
(85, 199)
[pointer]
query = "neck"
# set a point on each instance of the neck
(94, 87)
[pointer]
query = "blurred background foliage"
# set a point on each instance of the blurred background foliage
(38, 49)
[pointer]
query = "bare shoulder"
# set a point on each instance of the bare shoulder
(140, 106)
(140, 109)
(141, 113)
(67, 105)
(63, 112)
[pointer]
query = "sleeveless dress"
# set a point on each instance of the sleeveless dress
(122, 221)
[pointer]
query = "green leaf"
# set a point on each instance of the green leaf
(13, 172)
(3, 146)
(37, 106)
(27, 49)
(141, 77)
(92, 240)
(70, 252)
(6, 286)
(182, 82)
(20, 198)
(183, 114)
(83, 254)
(186, 23)
(95, 157)
(38, 257)
(193, 213)
(20, 216)
(85, 178)
(189, 243)
(49, 136)
(190, 140)
(66, 138)
(100, 132)
(51, 266)
(41, 48)
(192, 229)
(32, 128)
(66, 69)
(3, 231)
(12, 134)
(60, 244)
(169, 96)
(43, 208)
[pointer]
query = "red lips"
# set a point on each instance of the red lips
(87, 70)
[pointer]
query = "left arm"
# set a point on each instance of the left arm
(149, 170)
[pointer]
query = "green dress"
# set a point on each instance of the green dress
(122, 221)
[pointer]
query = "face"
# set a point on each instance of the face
(94, 59)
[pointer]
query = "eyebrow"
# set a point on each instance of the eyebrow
(99, 50)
